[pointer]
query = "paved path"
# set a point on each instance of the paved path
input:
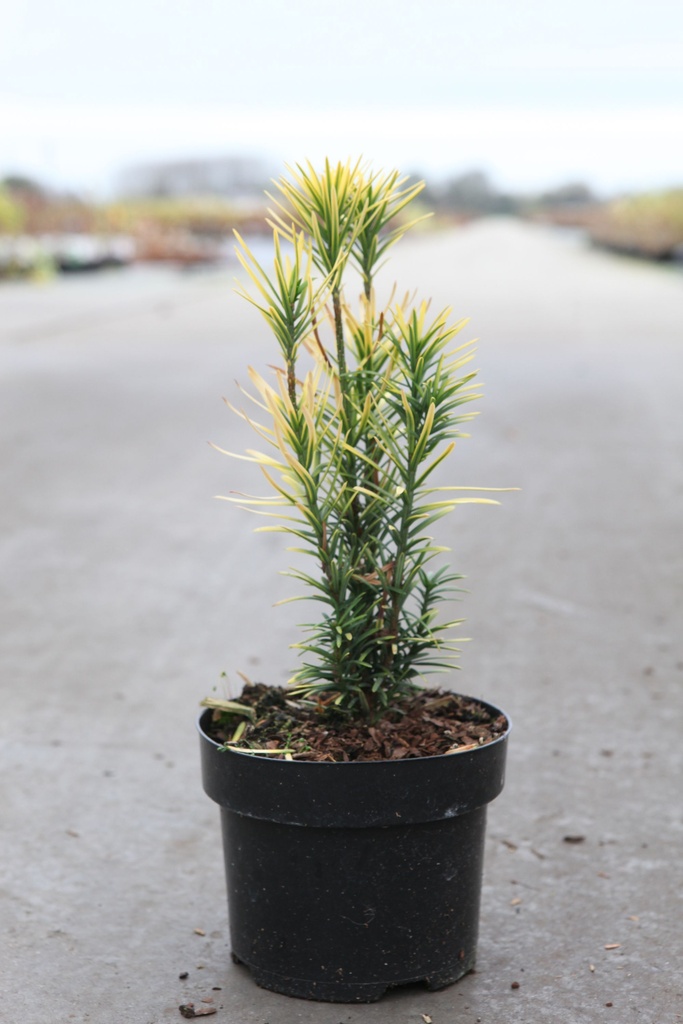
(125, 590)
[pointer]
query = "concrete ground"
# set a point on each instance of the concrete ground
(126, 590)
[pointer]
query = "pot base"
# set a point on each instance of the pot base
(342, 915)
(346, 992)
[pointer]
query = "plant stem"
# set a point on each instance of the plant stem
(346, 405)
(339, 337)
(398, 595)
(367, 284)
(291, 383)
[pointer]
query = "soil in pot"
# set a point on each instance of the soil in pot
(425, 724)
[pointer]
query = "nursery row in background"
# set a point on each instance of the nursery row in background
(42, 233)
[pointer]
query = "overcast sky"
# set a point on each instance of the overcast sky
(534, 93)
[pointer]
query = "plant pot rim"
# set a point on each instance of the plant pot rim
(353, 793)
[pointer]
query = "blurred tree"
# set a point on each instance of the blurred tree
(573, 192)
(11, 213)
(23, 185)
(470, 194)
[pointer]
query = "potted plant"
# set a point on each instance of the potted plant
(353, 801)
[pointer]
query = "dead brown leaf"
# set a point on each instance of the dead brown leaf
(190, 1011)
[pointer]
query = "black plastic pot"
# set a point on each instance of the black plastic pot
(347, 879)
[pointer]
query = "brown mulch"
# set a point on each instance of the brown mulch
(427, 723)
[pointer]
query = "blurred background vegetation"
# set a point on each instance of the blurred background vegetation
(185, 212)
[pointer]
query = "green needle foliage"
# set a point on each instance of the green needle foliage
(354, 428)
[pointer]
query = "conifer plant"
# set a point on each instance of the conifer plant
(369, 399)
